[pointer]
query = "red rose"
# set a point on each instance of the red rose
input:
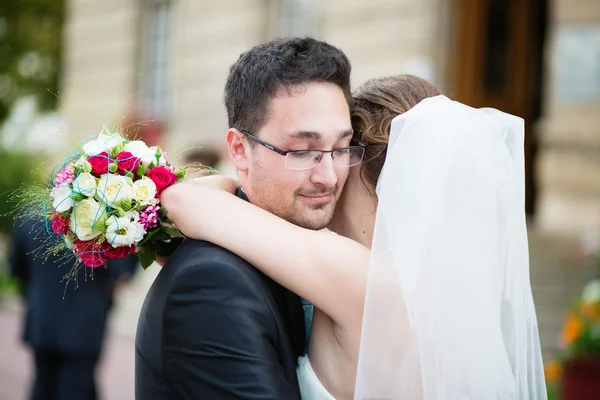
(162, 178)
(119, 252)
(91, 253)
(127, 162)
(60, 224)
(100, 163)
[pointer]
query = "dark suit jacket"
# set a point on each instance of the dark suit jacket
(59, 317)
(214, 327)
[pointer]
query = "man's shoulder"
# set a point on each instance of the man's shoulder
(196, 266)
(198, 258)
(199, 252)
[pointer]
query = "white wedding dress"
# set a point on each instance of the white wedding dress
(311, 387)
(449, 312)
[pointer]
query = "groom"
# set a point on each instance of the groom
(212, 326)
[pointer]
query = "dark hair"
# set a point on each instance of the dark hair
(376, 103)
(259, 73)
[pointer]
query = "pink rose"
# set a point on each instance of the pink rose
(91, 253)
(60, 224)
(100, 163)
(162, 178)
(120, 252)
(127, 162)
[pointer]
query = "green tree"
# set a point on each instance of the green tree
(30, 51)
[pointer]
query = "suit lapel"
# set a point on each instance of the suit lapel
(289, 305)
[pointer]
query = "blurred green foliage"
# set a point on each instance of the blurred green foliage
(553, 392)
(8, 285)
(30, 51)
(16, 168)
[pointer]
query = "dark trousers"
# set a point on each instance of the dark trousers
(61, 376)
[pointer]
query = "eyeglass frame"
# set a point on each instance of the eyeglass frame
(286, 152)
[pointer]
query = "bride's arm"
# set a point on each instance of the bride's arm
(326, 269)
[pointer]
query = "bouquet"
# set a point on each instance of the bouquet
(106, 201)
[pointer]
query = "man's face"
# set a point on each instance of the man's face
(312, 116)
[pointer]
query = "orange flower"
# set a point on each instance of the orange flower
(572, 329)
(552, 371)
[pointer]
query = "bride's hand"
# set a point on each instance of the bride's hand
(218, 182)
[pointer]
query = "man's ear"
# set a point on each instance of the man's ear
(238, 149)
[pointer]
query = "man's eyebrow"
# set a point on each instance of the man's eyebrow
(306, 135)
(317, 136)
(346, 133)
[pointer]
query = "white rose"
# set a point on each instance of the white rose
(104, 142)
(88, 219)
(141, 151)
(123, 232)
(85, 183)
(112, 189)
(62, 198)
(144, 191)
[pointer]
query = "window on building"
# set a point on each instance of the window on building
(155, 83)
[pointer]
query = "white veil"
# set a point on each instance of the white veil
(449, 313)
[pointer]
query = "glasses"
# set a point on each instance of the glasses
(299, 160)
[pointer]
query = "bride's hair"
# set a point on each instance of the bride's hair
(376, 103)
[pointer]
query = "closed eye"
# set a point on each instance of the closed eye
(301, 154)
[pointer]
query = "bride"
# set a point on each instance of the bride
(423, 292)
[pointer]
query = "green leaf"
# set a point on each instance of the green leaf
(149, 235)
(147, 255)
(117, 149)
(160, 236)
(173, 232)
(180, 173)
(141, 171)
(162, 212)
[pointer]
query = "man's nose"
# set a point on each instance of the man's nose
(324, 172)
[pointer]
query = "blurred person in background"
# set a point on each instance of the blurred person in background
(139, 125)
(206, 156)
(64, 324)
